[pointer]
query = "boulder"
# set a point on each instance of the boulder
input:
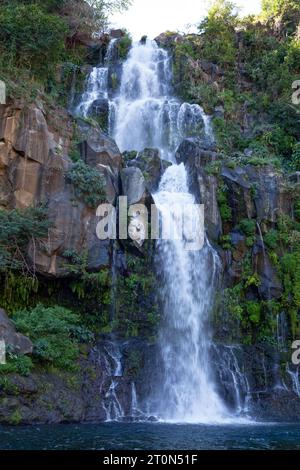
(133, 184)
(97, 149)
(17, 342)
(152, 167)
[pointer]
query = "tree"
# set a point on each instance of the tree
(32, 38)
(90, 16)
(218, 29)
(285, 14)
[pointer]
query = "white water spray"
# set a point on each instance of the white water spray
(145, 113)
(188, 393)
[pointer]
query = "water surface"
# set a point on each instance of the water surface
(150, 436)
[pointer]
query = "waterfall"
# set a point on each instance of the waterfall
(236, 380)
(144, 113)
(111, 364)
(147, 115)
(96, 88)
(111, 51)
(187, 392)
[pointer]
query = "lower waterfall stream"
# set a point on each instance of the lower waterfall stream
(188, 393)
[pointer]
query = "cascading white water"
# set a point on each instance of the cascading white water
(96, 88)
(111, 365)
(144, 114)
(188, 393)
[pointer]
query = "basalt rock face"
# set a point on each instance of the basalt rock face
(204, 185)
(34, 162)
(262, 193)
(96, 392)
(260, 388)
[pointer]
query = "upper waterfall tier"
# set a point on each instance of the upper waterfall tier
(145, 113)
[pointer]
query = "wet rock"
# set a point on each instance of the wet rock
(270, 285)
(238, 240)
(18, 342)
(202, 184)
(152, 167)
(97, 149)
(133, 184)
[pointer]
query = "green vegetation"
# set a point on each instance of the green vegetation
(88, 183)
(56, 333)
(38, 36)
(124, 46)
(219, 33)
(253, 62)
(17, 229)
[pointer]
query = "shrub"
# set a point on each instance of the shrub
(248, 227)
(17, 364)
(54, 332)
(88, 183)
(124, 46)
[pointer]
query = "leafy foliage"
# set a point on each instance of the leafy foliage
(88, 183)
(124, 46)
(55, 332)
(31, 38)
(219, 33)
(252, 63)
(17, 364)
(225, 209)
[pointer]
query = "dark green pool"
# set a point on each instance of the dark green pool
(154, 436)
